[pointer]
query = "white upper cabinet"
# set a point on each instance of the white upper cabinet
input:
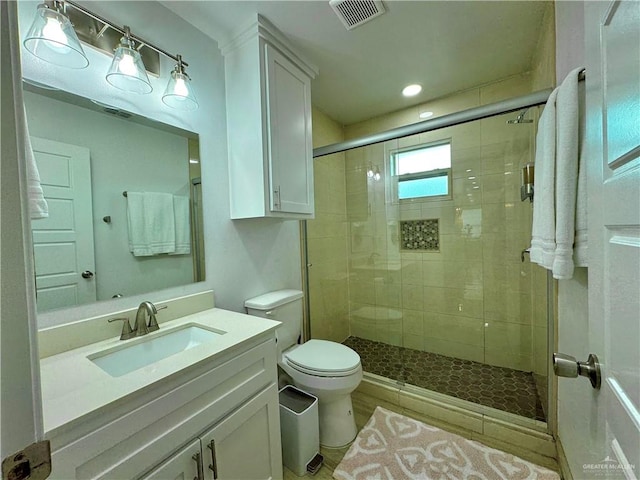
(268, 87)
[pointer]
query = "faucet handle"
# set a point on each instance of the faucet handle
(127, 332)
(153, 323)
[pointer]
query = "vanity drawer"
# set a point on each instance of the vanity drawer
(127, 446)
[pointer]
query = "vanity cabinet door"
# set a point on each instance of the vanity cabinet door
(246, 445)
(186, 464)
(290, 136)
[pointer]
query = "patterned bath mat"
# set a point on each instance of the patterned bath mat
(394, 447)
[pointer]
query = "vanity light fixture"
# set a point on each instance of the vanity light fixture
(53, 39)
(179, 93)
(127, 70)
(370, 171)
(373, 172)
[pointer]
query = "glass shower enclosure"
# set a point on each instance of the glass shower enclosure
(419, 263)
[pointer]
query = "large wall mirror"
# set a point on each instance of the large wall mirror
(125, 204)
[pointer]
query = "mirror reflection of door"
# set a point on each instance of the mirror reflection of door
(129, 152)
(63, 242)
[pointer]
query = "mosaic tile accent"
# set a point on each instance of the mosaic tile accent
(420, 235)
(497, 387)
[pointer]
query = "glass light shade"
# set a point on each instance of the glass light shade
(179, 93)
(127, 71)
(53, 39)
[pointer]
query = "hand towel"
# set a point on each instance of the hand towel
(567, 150)
(182, 225)
(160, 222)
(151, 223)
(543, 232)
(38, 207)
(135, 219)
(580, 258)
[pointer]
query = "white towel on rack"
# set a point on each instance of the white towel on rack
(135, 220)
(38, 206)
(183, 225)
(151, 223)
(568, 149)
(543, 232)
(559, 204)
(580, 257)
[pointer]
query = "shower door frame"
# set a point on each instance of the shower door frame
(465, 116)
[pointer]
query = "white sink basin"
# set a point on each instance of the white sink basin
(144, 351)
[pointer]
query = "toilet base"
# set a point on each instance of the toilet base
(337, 422)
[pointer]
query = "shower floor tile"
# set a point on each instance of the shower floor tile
(498, 387)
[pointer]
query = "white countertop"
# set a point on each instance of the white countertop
(73, 386)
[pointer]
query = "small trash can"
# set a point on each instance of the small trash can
(300, 431)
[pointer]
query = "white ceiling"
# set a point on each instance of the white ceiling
(446, 46)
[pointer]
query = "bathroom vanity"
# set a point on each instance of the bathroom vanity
(208, 409)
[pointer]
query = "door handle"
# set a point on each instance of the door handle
(568, 366)
(87, 274)
(214, 463)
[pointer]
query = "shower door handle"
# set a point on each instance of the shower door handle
(568, 366)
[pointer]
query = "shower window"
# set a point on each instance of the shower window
(423, 171)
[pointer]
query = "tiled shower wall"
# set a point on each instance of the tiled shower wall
(474, 299)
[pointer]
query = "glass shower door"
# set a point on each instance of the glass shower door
(375, 291)
(430, 265)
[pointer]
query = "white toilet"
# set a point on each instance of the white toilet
(328, 370)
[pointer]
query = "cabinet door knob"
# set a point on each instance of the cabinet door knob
(87, 274)
(276, 198)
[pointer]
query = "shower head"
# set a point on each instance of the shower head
(520, 118)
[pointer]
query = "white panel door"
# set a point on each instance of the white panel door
(613, 152)
(290, 141)
(63, 243)
(20, 401)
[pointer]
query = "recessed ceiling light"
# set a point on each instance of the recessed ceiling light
(425, 114)
(411, 90)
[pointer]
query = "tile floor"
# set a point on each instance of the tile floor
(498, 387)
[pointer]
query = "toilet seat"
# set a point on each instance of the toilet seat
(323, 359)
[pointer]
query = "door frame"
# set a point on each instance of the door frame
(21, 399)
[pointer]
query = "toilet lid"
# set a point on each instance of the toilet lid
(323, 357)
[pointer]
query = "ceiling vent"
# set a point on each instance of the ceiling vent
(353, 13)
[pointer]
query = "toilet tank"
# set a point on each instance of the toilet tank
(284, 306)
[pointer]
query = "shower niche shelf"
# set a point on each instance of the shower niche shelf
(420, 235)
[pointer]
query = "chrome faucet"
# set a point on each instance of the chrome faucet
(127, 333)
(141, 327)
